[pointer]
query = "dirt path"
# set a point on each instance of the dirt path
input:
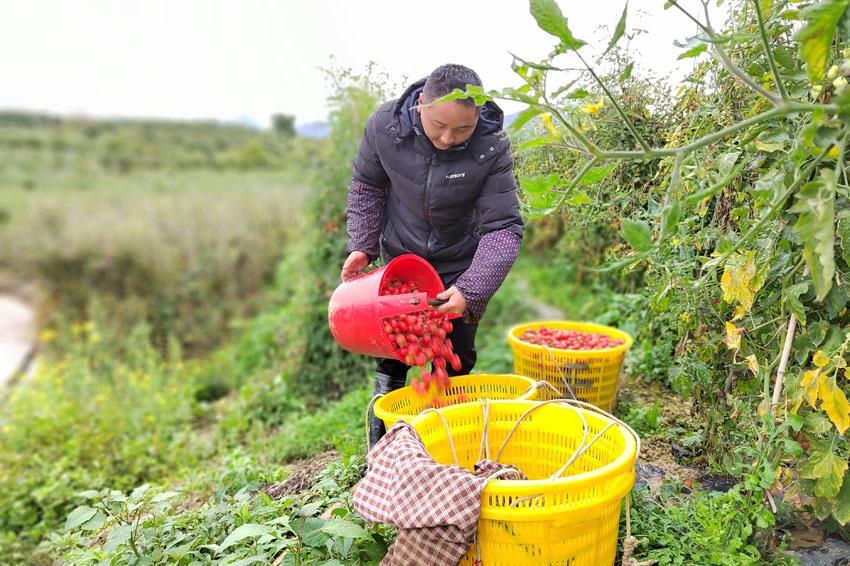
(544, 311)
(17, 337)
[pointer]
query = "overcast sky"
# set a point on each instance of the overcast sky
(226, 59)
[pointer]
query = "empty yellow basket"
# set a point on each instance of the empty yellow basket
(405, 403)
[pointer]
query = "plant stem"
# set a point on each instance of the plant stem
(725, 60)
(779, 84)
(613, 100)
(591, 147)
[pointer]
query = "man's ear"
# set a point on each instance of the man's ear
(419, 103)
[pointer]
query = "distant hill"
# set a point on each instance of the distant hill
(323, 129)
(314, 130)
(121, 145)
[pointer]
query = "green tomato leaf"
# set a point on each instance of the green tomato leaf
(550, 19)
(816, 228)
(578, 94)
(825, 467)
(815, 36)
(619, 30)
(525, 116)
(836, 300)
(843, 231)
(637, 234)
(694, 51)
(841, 509)
(791, 296)
(670, 215)
(596, 174)
(579, 198)
(769, 147)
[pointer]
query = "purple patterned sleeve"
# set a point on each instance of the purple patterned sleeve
(497, 251)
(365, 217)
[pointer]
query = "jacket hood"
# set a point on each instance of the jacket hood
(490, 119)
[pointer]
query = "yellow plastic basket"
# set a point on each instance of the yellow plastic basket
(405, 403)
(572, 520)
(592, 375)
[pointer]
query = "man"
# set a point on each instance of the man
(436, 180)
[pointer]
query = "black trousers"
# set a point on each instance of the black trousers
(392, 374)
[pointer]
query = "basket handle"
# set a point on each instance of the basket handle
(369, 411)
(448, 431)
(534, 387)
(562, 370)
(531, 410)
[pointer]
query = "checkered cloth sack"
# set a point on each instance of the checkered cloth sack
(434, 506)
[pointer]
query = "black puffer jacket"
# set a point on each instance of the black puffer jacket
(439, 203)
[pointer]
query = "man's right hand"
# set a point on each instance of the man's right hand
(354, 265)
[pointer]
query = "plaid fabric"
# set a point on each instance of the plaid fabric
(435, 507)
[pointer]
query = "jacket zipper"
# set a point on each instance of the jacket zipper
(428, 202)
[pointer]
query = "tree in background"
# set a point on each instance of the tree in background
(284, 124)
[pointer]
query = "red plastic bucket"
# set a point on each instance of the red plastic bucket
(357, 309)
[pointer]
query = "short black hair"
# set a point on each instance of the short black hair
(445, 78)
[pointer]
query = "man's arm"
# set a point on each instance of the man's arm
(366, 198)
(365, 217)
(497, 251)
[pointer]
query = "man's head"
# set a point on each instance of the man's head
(450, 123)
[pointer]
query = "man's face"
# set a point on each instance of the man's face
(447, 124)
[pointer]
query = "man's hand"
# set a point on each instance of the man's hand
(354, 265)
(456, 302)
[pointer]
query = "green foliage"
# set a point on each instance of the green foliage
(97, 416)
(707, 528)
(243, 528)
(816, 36)
(339, 425)
(187, 252)
(645, 419)
(711, 230)
(320, 369)
(550, 19)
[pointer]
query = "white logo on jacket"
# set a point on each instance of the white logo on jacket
(456, 175)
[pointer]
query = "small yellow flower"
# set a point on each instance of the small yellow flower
(833, 152)
(547, 121)
(685, 316)
(593, 108)
(47, 335)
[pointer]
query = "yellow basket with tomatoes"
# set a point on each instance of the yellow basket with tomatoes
(581, 359)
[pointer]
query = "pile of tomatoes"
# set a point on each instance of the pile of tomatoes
(569, 339)
(420, 338)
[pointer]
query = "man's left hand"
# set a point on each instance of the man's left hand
(456, 302)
